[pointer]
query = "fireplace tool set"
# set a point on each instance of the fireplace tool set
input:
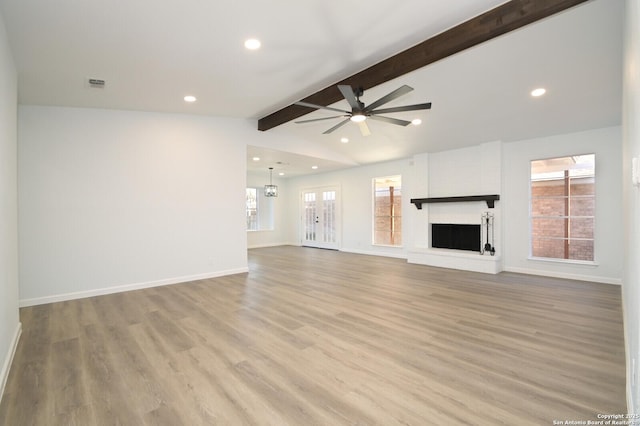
(487, 236)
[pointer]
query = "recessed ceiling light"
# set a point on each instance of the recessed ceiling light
(416, 122)
(344, 140)
(252, 44)
(314, 167)
(256, 158)
(538, 92)
(281, 174)
(190, 98)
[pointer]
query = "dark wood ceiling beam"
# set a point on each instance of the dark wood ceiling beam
(498, 21)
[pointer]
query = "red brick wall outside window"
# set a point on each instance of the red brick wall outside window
(387, 215)
(563, 215)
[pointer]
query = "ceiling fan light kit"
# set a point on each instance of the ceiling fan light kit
(358, 118)
(360, 112)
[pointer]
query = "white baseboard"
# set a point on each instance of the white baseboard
(6, 367)
(399, 255)
(553, 274)
(267, 245)
(631, 404)
(128, 287)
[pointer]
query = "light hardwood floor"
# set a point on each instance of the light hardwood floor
(317, 337)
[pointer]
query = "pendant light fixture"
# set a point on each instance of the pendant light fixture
(270, 190)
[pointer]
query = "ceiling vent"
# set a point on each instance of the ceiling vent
(96, 83)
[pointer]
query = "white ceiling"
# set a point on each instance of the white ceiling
(151, 53)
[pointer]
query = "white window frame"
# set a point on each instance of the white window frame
(393, 217)
(568, 217)
(256, 221)
(265, 211)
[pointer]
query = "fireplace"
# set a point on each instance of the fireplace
(455, 236)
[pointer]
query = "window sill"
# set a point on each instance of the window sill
(260, 230)
(591, 263)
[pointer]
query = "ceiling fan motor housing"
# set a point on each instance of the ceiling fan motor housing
(357, 92)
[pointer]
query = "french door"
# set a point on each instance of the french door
(320, 216)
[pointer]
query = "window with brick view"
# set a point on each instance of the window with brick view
(387, 211)
(563, 208)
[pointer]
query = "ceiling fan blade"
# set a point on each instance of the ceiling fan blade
(308, 105)
(402, 108)
(390, 120)
(347, 92)
(402, 90)
(364, 129)
(319, 119)
(340, 124)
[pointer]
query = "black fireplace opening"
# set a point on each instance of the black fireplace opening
(455, 236)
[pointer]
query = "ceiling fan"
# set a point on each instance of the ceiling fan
(360, 112)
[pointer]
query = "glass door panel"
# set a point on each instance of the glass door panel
(320, 221)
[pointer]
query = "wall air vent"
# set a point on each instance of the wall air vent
(96, 83)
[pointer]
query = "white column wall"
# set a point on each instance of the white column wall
(9, 320)
(631, 148)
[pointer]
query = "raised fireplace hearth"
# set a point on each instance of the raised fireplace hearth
(460, 246)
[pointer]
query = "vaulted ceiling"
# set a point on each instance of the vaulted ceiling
(152, 53)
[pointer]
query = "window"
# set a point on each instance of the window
(387, 208)
(563, 208)
(252, 209)
(259, 210)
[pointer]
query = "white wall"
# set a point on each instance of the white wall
(114, 200)
(278, 234)
(9, 321)
(631, 148)
(606, 144)
(481, 174)
(355, 187)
